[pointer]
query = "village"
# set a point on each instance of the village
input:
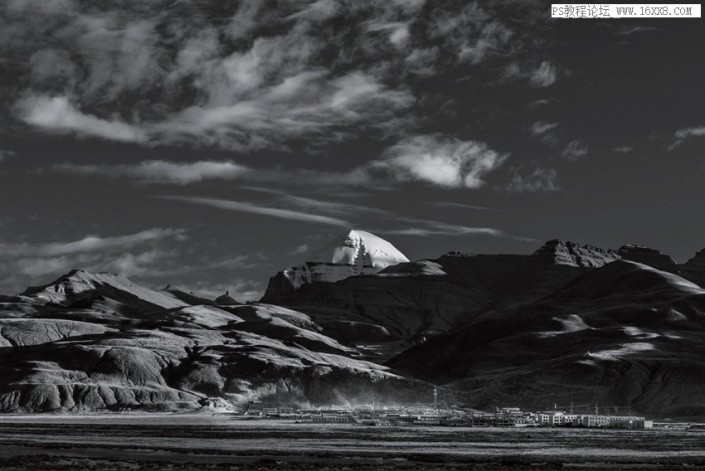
(422, 415)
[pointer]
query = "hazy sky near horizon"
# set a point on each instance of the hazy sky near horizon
(208, 144)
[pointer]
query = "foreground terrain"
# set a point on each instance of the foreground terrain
(220, 442)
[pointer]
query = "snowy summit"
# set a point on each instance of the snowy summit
(350, 254)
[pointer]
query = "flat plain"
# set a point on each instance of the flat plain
(185, 442)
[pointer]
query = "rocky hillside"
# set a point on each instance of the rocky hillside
(408, 302)
(90, 342)
(625, 335)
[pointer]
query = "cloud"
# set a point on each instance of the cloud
(623, 149)
(241, 76)
(4, 154)
(685, 134)
(545, 132)
(690, 132)
(164, 172)
(442, 229)
(538, 179)
(239, 261)
(59, 115)
(240, 206)
(544, 75)
(301, 249)
(431, 228)
(161, 171)
(575, 150)
(541, 127)
(439, 160)
(626, 31)
(451, 204)
(89, 244)
(442, 161)
(142, 254)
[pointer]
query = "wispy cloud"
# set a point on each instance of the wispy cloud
(240, 76)
(575, 150)
(685, 134)
(452, 204)
(143, 254)
(430, 228)
(251, 208)
(162, 171)
(544, 75)
(439, 160)
(629, 30)
(59, 115)
(541, 127)
(89, 243)
(301, 249)
(4, 154)
(623, 149)
(538, 179)
(544, 131)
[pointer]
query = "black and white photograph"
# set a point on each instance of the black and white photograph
(351, 235)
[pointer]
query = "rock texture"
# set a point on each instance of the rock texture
(91, 342)
(575, 255)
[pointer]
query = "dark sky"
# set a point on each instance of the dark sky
(208, 144)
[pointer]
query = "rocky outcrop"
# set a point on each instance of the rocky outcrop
(647, 256)
(226, 300)
(694, 269)
(575, 255)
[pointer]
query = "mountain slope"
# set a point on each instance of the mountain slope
(410, 301)
(624, 335)
(90, 342)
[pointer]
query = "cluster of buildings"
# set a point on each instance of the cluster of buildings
(427, 416)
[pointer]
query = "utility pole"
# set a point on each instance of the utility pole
(597, 409)
(571, 407)
(435, 399)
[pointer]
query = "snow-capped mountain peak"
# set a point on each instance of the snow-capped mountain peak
(358, 248)
(351, 254)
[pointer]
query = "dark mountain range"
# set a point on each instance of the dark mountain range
(623, 335)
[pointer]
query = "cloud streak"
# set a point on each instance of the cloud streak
(251, 208)
(433, 159)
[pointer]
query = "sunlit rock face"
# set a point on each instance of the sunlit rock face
(575, 255)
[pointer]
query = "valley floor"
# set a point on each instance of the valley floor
(203, 442)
